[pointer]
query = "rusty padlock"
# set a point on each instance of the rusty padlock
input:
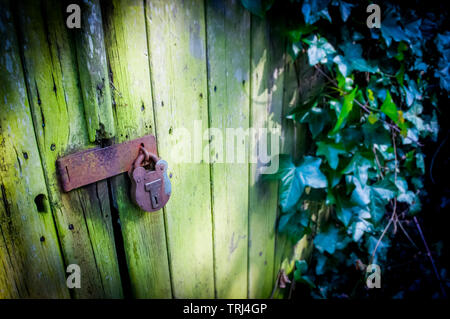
(150, 189)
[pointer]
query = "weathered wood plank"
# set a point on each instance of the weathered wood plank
(289, 145)
(143, 233)
(94, 72)
(30, 261)
(82, 216)
(300, 82)
(228, 51)
(177, 50)
(267, 64)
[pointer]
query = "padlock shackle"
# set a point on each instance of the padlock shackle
(149, 155)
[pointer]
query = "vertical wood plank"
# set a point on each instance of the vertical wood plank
(228, 52)
(176, 32)
(143, 233)
(94, 72)
(301, 82)
(82, 216)
(30, 261)
(292, 137)
(267, 64)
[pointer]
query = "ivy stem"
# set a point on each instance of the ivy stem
(382, 235)
(430, 256)
(378, 162)
(394, 214)
(276, 285)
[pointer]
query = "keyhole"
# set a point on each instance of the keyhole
(156, 200)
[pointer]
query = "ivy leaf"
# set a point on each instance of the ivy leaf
(347, 106)
(420, 163)
(412, 29)
(306, 280)
(326, 241)
(352, 60)
(301, 266)
(375, 134)
(294, 224)
(297, 34)
(320, 265)
(310, 174)
(290, 185)
(358, 229)
(295, 179)
(344, 212)
(319, 50)
(345, 8)
(313, 10)
(331, 152)
(390, 109)
(359, 166)
(361, 194)
(391, 28)
(316, 118)
(299, 274)
(258, 7)
(380, 194)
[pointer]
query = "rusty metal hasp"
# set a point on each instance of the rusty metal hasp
(95, 164)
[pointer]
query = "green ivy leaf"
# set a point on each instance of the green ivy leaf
(345, 8)
(301, 266)
(358, 229)
(331, 152)
(390, 109)
(306, 280)
(347, 106)
(352, 60)
(294, 224)
(375, 134)
(258, 7)
(316, 118)
(326, 241)
(313, 10)
(295, 179)
(344, 212)
(319, 51)
(391, 28)
(359, 166)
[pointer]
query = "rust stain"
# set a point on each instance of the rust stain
(89, 166)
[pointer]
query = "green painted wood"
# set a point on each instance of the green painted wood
(82, 216)
(31, 265)
(228, 51)
(267, 72)
(94, 72)
(177, 48)
(143, 233)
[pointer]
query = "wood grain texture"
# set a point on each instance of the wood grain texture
(228, 52)
(31, 265)
(177, 47)
(267, 72)
(291, 139)
(300, 82)
(94, 73)
(143, 233)
(82, 216)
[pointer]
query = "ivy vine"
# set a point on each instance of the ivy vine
(368, 125)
